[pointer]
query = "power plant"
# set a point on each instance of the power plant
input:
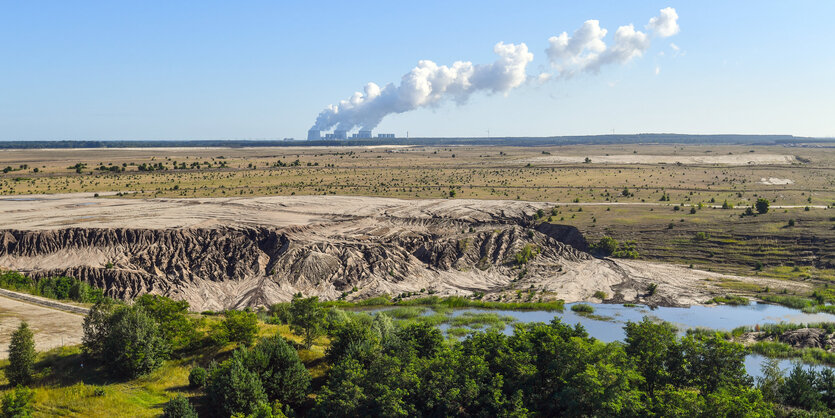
(316, 135)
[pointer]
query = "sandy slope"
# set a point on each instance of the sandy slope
(330, 244)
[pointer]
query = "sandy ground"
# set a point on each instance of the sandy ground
(52, 327)
(776, 181)
(742, 159)
(319, 222)
(83, 210)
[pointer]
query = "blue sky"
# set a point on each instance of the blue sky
(250, 70)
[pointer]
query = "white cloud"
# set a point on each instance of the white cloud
(657, 70)
(587, 51)
(429, 84)
(665, 24)
(674, 47)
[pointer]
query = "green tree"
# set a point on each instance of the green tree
(648, 344)
(178, 407)
(282, 374)
(799, 389)
(197, 377)
(134, 344)
(350, 334)
(237, 326)
(307, 318)
(96, 326)
(771, 382)
(715, 362)
(17, 403)
(233, 388)
(424, 339)
(172, 316)
(21, 356)
(762, 205)
(605, 247)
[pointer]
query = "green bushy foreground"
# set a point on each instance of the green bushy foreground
(153, 357)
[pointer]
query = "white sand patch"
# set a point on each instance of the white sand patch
(775, 181)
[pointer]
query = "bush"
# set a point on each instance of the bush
(17, 403)
(237, 326)
(21, 356)
(526, 254)
(179, 407)
(282, 374)
(197, 377)
(15, 281)
(233, 389)
(762, 205)
(134, 345)
(651, 288)
(701, 236)
(124, 338)
(172, 316)
(730, 300)
(582, 308)
(605, 247)
(600, 294)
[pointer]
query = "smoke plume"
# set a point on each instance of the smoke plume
(586, 51)
(429, 84)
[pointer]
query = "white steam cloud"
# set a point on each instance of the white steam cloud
(586, 51)
(429, 84)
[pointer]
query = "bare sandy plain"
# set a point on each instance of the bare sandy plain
(52, 327)
(329, 245)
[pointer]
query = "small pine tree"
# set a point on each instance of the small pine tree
(197, 377)
(21, 356)
(179, 407)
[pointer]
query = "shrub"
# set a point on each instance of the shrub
(651, 288)
(600, 294)
(21, 356)
(237, 326)
(197, 377)
(605, 247)
(134, 345)
(526, 254)
(701, 236)
(233, 389)
(791, 222)
(179, 407)
(282, 374)
(17, 403)
(172, 316)
(582, 308)
(762, 205)
(729, 300)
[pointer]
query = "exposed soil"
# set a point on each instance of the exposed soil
(237, 252)
(51, 327)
